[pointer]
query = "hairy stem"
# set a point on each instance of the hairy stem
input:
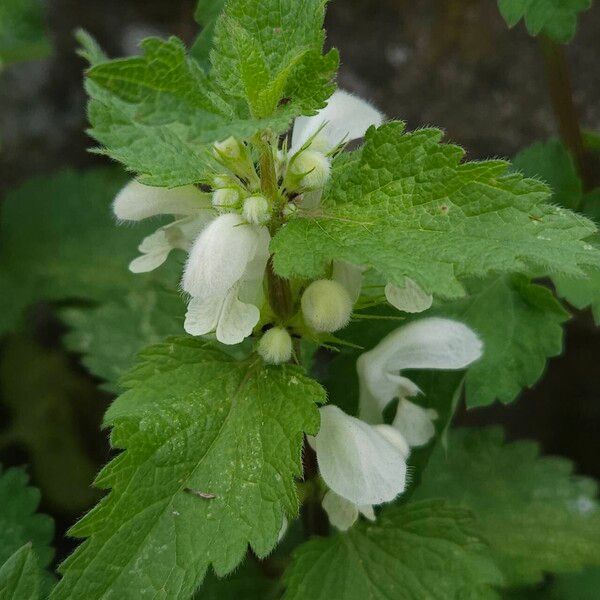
(560, 88)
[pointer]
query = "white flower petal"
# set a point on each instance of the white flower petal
(367, 512)
(220, 255)
(148, 262)
(432, 343)
(346, 118)
(395, 438)
(356, 461)
(350, 276)
(202, 315)
(311, 200)
(414, 422)
(137, 201)
(237, 319)
(409, 298)
(342, 513)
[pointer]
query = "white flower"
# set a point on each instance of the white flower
(363, 464)
(344, 119)
(432, 343)
(137, 201)
(224, 275)
(342, 513)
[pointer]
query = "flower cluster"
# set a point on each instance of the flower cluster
(226, 228)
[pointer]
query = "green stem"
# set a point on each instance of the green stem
(561, 96)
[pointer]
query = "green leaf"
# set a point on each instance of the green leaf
(246, 583)
(19, 523)
(520, 324)
(581, 292)
(425, 550)
(577, 586)
(45, 400)
(556, 19)
(110, 336)
(193, 422)
(59, 240)
(265, 50)
(409, 207)
(552, 163)
(20, 576)
(535, 514)
(22, 31)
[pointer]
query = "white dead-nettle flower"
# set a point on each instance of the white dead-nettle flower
(363, 465)
(224, 275)
(433, 343)
(344, 119)
(275, 346)
(226, 262)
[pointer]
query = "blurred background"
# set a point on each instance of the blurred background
(449, 63)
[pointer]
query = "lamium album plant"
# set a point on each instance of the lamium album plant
(316, 291)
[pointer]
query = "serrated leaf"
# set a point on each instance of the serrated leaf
(409, 207)
(20, 576)
(59, 240)
(556, 19)
(19, 523)
(22, 31)
(212, 446)
(425, 550)
(552, 163)
(265, 50)
(535, 514)
(44, 398)
(110, 336)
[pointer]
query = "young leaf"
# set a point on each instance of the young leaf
(20, 576)
(267, 50)
(551, 162)
(556, 19)
(22, 31)
(44, 397)
(110, 336)
(212, 446)
(536, 516)
(19, 523)
(415, 551)
(409, 207)
(59, 240)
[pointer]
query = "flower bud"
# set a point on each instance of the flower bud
(225, 198)
(256, 210)
(275, 346)
(313, 167)
(326, 305)
(229, 148)
(290, 209)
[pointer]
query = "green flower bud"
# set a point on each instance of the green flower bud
(229, 148)
(275, 346)
(326, 305)
(313, 167)
(225, 198)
